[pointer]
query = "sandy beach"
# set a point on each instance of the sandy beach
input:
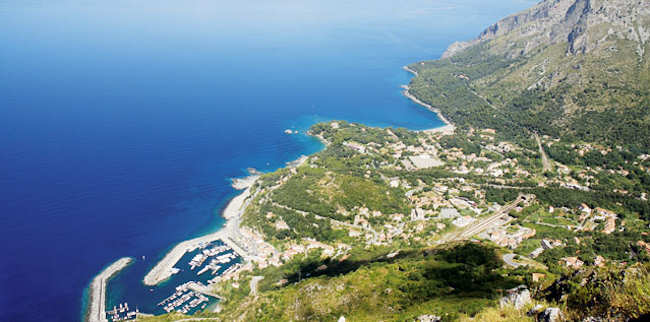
(97, 298)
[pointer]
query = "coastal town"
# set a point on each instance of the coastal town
(432, 188)
(428, 188)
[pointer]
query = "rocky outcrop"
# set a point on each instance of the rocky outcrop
(518, 297)
(581, 24)
(429, 318)
(552, 314)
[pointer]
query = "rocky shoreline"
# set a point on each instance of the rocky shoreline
(448, 128)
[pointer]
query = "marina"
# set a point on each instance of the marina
(121, 313)
(185, 300)
(188, 288)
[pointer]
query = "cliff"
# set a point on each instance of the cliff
(564, 68)
(584, 25)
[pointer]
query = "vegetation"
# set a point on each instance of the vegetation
(610, 292)
(359, 224)
(545, 90)
(413, 283)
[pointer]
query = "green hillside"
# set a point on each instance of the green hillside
(577, 70)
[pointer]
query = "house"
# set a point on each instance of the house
(572, 262)
(355, 146)
(448, 213)
(417, 214)
(538, 276)
(536, 252)
(610, 225)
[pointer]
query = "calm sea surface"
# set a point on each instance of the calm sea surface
(121, 122)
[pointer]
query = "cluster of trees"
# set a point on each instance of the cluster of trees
(468, 268)
(565, 154)
(315, 191)
(358, 133)
(461, 142)
(299, 226)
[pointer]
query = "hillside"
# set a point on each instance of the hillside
(390, 224)
(534, 208)
(571, 69)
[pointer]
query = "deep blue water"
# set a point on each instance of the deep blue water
(121, 122)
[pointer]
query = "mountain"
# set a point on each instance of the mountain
(573, 69)
(488, 222)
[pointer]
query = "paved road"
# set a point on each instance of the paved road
(254, 281)
(509, 259)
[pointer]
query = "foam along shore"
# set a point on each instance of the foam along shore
(298, 162)
(97, 298)
(446, 129)
(408, 69)
(243, 183)
(164, 269)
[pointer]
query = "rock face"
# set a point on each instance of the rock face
(580, 23)
(518, 297)
(552, 314)
(429, 318)
(560, 68)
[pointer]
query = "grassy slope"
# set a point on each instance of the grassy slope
(447, 283)
(366, 285)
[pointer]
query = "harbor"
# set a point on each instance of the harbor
(185, 300)
(180, 281)
(122, 313)
(196, 270)
(188, 288)
(228, 234)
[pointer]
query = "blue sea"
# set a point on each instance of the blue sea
(122, 122)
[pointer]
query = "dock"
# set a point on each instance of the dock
(97, 297)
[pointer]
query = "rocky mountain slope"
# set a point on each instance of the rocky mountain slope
(575, 69)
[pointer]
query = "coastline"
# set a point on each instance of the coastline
(97, 296)
(229, 233)
(448, 128)
(408, 69)
(233, 211)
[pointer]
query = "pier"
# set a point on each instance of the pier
(97, 297)
(188, 297)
